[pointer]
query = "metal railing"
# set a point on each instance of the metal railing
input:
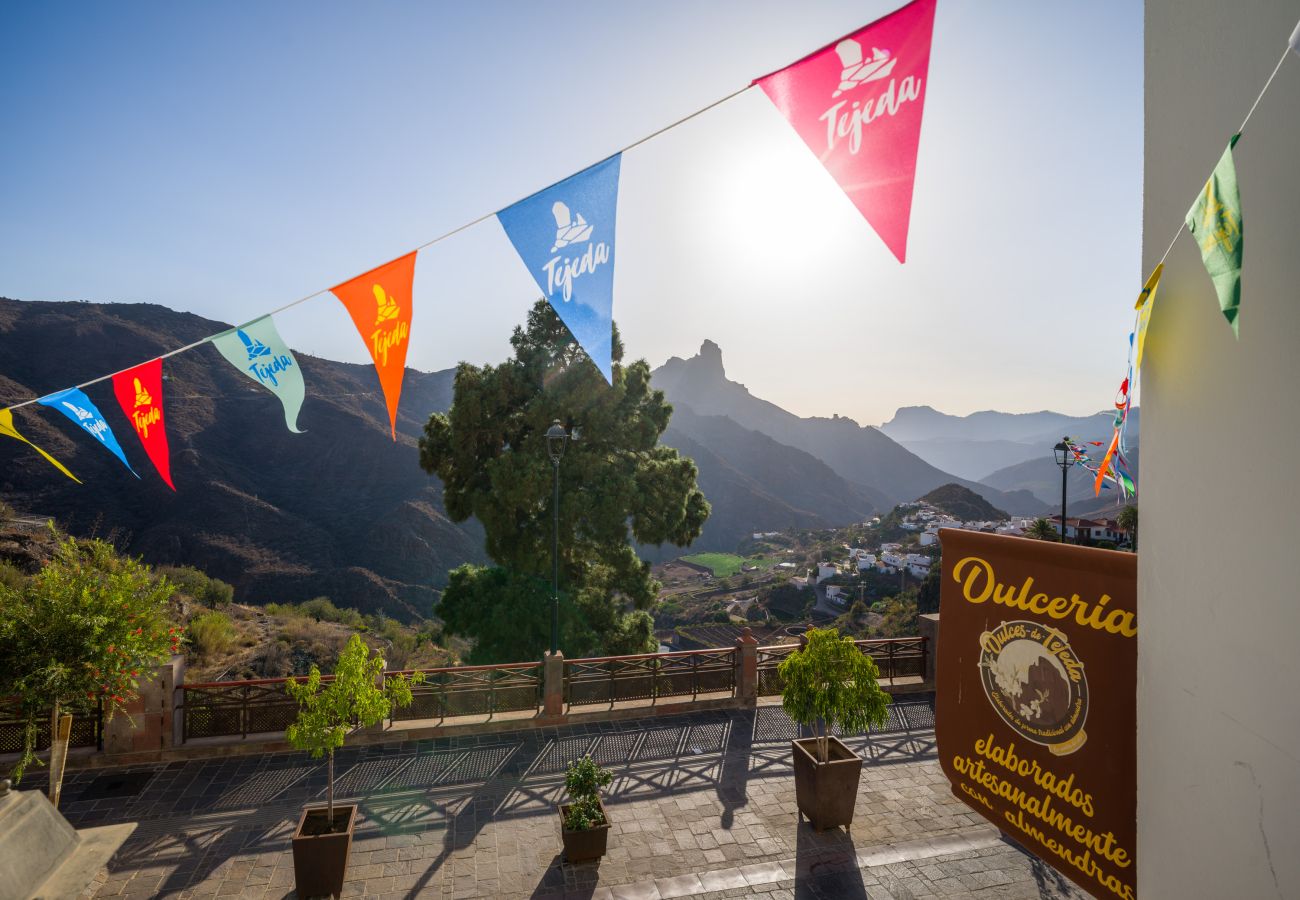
(228, 708)
(649, 676)
(87, 727)
(894, 657)
(472, 690)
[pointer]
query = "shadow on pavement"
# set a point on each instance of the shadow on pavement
(820, 875)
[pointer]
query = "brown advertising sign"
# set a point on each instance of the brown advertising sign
(1036, 698)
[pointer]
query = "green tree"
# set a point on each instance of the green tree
(79, 631)
(927, 596)
(1043, 530)
(830, 684)
(617, 485)
(1128, 520)
(898, 616)
(328, 711)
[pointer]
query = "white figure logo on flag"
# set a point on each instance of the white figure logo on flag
(857, 71)
(569, 229)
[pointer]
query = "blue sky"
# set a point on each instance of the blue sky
(228, 158)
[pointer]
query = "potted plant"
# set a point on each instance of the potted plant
(327, 713)
(584, 827)
(829, 683)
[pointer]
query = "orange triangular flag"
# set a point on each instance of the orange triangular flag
(380, 305)
(1105, 464)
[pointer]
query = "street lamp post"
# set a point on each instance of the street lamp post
(1064, 459)
(556, 439)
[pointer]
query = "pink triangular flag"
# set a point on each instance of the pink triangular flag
(857, 105)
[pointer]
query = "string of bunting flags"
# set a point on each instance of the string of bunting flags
(1215, 222)
(857, 104)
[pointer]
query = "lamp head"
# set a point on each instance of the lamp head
(1064, 457)
(556, 438)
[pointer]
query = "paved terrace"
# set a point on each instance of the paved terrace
(702, 805)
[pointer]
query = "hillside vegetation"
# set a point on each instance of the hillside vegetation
(224, 640)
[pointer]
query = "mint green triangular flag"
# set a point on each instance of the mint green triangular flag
(1215, 221)
(259, 352)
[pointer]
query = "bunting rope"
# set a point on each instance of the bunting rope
(1240, 130)
(429, 243)
(868, 142)
(1214, 220)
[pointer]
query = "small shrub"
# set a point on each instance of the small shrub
(322, 609)
(211, 633)
(211, 592)
(273, 661)
(11, 576)
(584, 779)
(288, 610)
(7, 513)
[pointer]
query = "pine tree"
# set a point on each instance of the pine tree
(618, 485)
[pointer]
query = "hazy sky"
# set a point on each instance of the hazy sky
(227, 158)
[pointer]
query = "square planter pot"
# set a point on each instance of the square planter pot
(825, 792)
(320, 860)
(584, 846)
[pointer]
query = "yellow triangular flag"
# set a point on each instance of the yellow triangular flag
(8, 430)
(1145, 303)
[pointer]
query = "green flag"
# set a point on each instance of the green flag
(1215, 221)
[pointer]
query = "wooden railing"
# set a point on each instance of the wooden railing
(472, 690)
(241, 708)
(87, 727)
(227, 708)
(894, 657)
(649, 676)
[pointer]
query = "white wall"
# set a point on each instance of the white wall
(1219, 609)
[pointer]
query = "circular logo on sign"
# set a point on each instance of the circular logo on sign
(1036, 683)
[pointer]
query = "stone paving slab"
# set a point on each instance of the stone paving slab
(701, 805)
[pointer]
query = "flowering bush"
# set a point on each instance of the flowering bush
(81, 631)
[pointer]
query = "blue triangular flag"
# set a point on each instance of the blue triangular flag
(74, 404)
(565, 236)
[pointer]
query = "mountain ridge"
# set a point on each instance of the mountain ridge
(344, 511)
(861, 454)
(340, 510)
(983, 443)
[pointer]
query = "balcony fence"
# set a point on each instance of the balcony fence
(894, 657)
(649, 676)
(243, 708)
(87, 727)
(472, 691)
(228, 708)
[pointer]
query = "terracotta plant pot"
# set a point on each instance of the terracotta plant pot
(825, 792)
(320, 857)
(584, 846)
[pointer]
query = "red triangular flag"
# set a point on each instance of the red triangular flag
(139, 393)
(857, 105)
(380, 305)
